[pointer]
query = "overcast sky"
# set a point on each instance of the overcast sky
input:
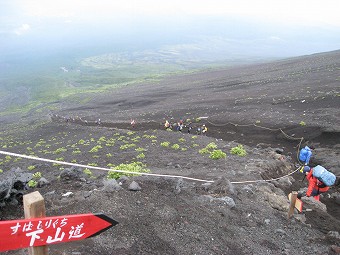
(23, 21)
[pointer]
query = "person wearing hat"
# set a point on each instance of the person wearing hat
(204, 129)
(305, 154)
(315, 186)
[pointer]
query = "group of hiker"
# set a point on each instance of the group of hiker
(180, 126)
(319, 178)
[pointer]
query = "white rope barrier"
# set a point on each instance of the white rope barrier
(254, 125)
(129, 172)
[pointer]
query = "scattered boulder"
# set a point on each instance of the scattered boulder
(43, 182)
(72, 173)
(179, 186)
(278, 202)
(5, 189)
(134, 186)
(283, 183)
(13, 185)
(311, 203)
(111, 185)
(280, 231)
(333, 235)
(87, 194)
(247, 189)
(224, 201)
(279, 151)
(336, 249)
(222, 186)
(67, 194)
(123, 179)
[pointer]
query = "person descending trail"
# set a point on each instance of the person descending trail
(179, 126)
(189, 126)
(204, 129)
(167, 124)
(133, 123)
(306, 154)
(319, 180)
(199, 131)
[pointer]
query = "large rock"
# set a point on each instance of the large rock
(221, 186)
(134, 186)
(274, 196)
(311, 203)
(278, 202)
(5, 188)
(111, 185)
(72, 173)
(13, 184)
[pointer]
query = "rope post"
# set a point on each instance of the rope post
(292, 204)
(34, 207)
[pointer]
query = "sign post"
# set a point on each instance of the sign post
(18, 234)
(38, 232)
(293, 198)
(34, 207)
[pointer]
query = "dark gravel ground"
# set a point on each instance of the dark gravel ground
(177, 216)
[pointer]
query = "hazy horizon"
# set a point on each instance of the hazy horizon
(257, 28)
(109, 42)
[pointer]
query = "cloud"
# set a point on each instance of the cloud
(24, 28)
(306, 12)
(275, 38)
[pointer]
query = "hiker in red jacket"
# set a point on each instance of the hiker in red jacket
(315, 186)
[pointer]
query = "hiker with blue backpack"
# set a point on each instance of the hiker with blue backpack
(306, 154)
(319, 181)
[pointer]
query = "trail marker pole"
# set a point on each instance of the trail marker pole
(34, 207)
(292, 204)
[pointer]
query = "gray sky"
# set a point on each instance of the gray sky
(284, 24)
(19, 13)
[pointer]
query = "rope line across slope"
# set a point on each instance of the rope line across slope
(128, 172)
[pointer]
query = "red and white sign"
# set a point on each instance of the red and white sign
(17, 234)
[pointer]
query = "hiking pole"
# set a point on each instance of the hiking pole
(304, 176)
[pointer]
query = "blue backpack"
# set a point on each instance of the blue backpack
(323, 175)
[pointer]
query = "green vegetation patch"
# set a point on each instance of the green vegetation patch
(217, 154)
(165, 144)
(238, 150)
(136, 167)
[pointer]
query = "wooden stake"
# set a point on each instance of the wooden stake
(292, 204)
(34, 207)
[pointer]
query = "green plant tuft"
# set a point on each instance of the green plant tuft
(32, 183)
(302, 123)
(238, 150)
(30, 168)
(141, 155)
(211, 146)
(95, 149)
(136, 167)
(175, 146)
(87, 172)
(217, 154)
(37, 175)
(165, 144)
